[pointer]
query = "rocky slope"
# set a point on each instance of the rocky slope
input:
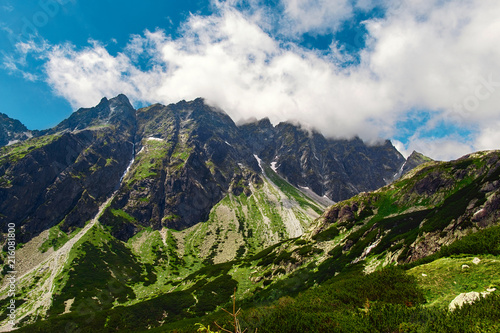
(337, 169)
(161, 276)
(12, 131)
(64, 175)
(189, 156)
(433, 205)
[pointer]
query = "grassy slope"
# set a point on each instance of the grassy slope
(157, 262)
(443, 279)
(299, 264)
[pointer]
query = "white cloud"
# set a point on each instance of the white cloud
(317, 16)
(435, 54)
(233, 63)
(84, 77)
(16, 63)
(439, 149)
(441, 56)
(489, 138)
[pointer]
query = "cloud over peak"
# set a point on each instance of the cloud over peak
(438, 56)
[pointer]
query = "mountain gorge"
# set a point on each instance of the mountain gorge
(143, 219)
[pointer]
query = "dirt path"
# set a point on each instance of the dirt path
(42, 295)
(40, 298)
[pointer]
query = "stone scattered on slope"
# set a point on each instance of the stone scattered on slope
(468, 298)
(464, 298)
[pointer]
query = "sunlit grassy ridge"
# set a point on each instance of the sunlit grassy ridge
(18, 150)
(445, 278)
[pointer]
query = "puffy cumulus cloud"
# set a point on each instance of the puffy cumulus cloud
(437, 55)
(84, 77)
(440, 56)
(317, 16)
(489, 137)
(439, 149)
(234, 64)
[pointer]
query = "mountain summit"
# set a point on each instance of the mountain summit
(183, 158)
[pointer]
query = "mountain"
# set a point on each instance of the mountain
(437, 210)
(414, 160)
(184, 159)
(337, 169)
(12, 130)
(63, 176)
(133, 220)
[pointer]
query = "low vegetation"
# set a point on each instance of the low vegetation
(166, 281)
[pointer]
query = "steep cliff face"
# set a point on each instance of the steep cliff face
(334, 168)
(64, 175)
(189, 156)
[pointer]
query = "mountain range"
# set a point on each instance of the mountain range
(144, 219)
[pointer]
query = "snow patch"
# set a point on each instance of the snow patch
(12, 142)
(273, 166)
(398, 174)
(367, 251)
(130, 164)
(155, 139)
(260, 162)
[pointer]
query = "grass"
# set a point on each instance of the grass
(99, 273)
(123, 214)
(56, 239)
(291, 191)
(443, 279)
(19, 150)
(180, 156)
(149, 162)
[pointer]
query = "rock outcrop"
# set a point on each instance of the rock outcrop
(12, 131)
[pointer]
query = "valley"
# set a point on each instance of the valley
(149, 219)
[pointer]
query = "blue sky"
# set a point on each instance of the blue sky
(425, 74)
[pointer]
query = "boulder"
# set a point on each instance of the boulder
(464, 298)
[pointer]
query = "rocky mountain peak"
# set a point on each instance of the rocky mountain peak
(115, 111)
(12, 130)
(335, 168)
(186, 157)
(414, 160)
